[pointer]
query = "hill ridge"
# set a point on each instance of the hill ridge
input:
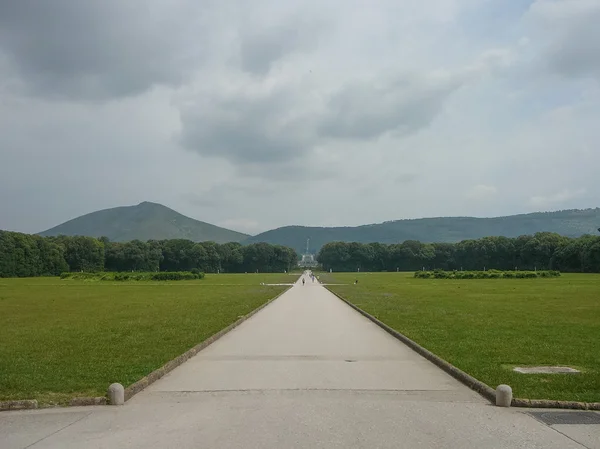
(153, 221)
(568, 222)
(143, 221)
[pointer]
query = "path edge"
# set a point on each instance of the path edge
(23, 404)
(483, 389)
(148, 380)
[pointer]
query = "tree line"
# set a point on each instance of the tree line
(541, 251)
(23, 255)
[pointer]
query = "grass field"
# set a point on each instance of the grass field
(63, 338)
(486, 327)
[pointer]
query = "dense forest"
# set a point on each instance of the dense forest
(23, 255)
(541, 251)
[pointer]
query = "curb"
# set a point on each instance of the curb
(141, 384)
(547, 403)
(26, 404)
(84, 401)
(483, 389)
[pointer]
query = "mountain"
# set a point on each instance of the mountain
(571, 223)
(146, 221)
(153, 221)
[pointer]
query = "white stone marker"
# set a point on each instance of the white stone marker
(545, 370)
(503, 396)
(116, 394)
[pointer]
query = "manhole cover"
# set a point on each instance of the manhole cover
(552, 418)
(545, 370)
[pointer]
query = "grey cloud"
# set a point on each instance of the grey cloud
(294, 122)
(223, 193)
(367, 110)
(281, 126)
(262, 47)
(406, 178)
(572, 36)
(260, 50)
(246, 129)
(97, 49)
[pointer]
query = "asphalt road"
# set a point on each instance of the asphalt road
(305, 372)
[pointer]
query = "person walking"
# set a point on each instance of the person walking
(302, 281)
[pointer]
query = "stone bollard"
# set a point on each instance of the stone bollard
(503, 396)
(116, 394)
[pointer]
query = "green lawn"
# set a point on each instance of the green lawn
(63, 338)
(486, 327)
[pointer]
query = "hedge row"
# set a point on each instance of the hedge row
(136, 276)
(490, 274)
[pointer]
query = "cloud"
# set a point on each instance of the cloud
(262, 46)
(556, 199)
(571, 36)
(481, 192)
(246, 125)
(272, 121)
(369, 108)
(314, 112)
(96, 50)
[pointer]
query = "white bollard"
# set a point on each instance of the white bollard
(116, 394)
(503, 396)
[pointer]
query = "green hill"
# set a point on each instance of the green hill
(571, 223)
(146, 221)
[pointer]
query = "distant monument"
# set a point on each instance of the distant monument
(308, 259)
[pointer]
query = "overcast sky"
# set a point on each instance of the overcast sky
(258, 114)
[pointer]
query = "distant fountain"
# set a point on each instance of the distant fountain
(308, 260)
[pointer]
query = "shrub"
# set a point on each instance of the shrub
(440, 274)
(176, 276)
(490, 274)
(135, 276)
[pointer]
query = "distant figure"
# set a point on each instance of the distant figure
(356, 282)
(302, 281)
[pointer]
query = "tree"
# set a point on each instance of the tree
(335, 256)
(212, 261)
(178, 255)
(24, 255)
(411, 255)
(379, 256)
(444, 256)
(231, 256)
(258, 257)
(82, 253)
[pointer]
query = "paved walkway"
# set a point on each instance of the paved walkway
(305, 372)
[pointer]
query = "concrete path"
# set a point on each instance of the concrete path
(305, 372)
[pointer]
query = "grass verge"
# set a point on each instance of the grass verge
(487, 327)
(63, 338)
